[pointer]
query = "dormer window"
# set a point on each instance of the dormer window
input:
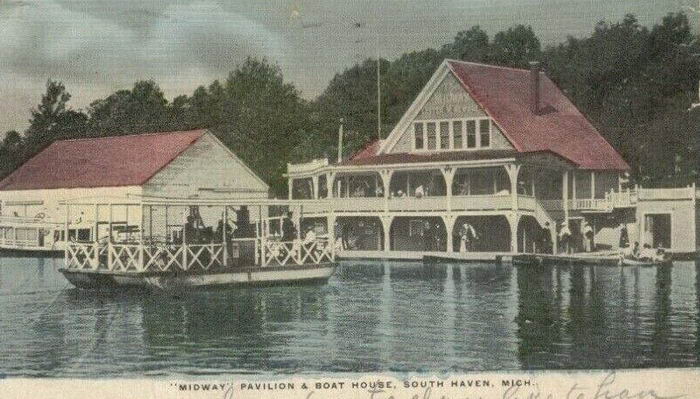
(452, 134)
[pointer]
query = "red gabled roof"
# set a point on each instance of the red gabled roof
(367, 151)
(100, 162)
(504, 93)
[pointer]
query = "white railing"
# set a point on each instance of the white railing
(140, 257)
(413, 204)
(297, 252)
(667, 193)
(481, 202)
(12, 243)
(24, 220)
(358, 204)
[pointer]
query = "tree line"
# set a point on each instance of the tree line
(634, 83)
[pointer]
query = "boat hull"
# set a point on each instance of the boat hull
(251, 276)
(545, 259)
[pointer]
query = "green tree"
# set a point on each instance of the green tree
(142, 109)
(11, 152)
(52, 120)
(469, 45)
(516, 47)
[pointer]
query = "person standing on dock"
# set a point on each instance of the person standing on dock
(546, 239)
(624, 236)
(565, 238)
(289, 231)
(587, 237)
(467, 235)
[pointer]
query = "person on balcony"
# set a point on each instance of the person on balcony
(420, 191)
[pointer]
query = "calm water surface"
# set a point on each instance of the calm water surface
(369, 317)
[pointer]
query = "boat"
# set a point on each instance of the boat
(566, 259)
(133, 253)
(469, 257)
(645, 262)
(31, 235)
(245, 276)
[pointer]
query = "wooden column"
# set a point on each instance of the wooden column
(449, 221)
(330, 176)
(314, 183)
(386, 175)
(184, 243)
(224, 236)
(290, 186)
(386, 226)
(448, 173)
(65, 237)
(513, 172)
(513, 219)
(110, 260)
(565, 195)
(592, 184)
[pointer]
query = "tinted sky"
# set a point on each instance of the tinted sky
(96, 46)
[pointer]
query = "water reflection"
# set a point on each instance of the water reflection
(371, 316)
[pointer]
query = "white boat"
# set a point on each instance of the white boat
(155, 250)
(645, 262)
(32, 234)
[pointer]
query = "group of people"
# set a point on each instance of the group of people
(634, 251)
(570, 243)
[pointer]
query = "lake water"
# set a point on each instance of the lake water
(371, 316)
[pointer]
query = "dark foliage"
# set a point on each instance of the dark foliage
(635, 85)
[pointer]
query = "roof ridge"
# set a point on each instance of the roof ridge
(450, 60)
(128, 135)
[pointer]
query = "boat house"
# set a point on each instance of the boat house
(501, 153)
(186, 164)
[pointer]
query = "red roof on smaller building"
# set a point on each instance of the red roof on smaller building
(100, 162)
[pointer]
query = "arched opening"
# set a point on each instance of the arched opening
(492, 234)
(360, 233)
(418, 234)
(530, 235)
(417, 183)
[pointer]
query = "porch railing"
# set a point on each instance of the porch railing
(297, 252)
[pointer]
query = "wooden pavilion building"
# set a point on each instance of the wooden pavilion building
(499, 149)
(186, 164)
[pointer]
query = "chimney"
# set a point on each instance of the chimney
(535, 87)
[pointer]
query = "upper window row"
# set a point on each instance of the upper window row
(454, 134)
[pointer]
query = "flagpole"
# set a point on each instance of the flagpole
(379, 101)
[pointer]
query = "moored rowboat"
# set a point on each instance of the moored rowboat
(246, 276)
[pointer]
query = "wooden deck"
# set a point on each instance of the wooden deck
(417, 256)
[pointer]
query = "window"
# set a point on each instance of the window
(444, 135)
(430, 128)
(454, 134)
(485, 132)
(418, 130)
(471, 134)
(457, 134)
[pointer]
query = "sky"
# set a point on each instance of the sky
(96, 47)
